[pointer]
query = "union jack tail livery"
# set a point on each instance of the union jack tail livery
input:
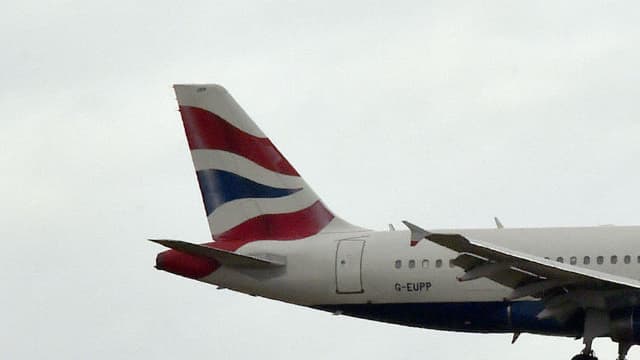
(250, 191)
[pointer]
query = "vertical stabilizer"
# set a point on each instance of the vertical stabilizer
(249, 189)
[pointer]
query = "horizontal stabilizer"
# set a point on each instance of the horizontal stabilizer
(222, 256)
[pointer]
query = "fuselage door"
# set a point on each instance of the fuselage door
(349, 266)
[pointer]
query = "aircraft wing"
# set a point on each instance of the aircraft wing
(534, 276)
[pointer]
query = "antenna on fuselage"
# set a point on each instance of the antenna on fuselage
(515, 337)
(392, 228)
(498, 222)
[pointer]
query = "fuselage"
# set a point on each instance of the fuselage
(377, 275)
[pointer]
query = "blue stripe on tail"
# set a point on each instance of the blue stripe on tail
(219, 187)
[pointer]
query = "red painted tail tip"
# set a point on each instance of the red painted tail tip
(186, 265)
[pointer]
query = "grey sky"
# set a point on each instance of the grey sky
(442, 113)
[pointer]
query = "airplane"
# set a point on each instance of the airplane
(272, 236)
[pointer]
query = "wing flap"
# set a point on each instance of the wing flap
(506, 276)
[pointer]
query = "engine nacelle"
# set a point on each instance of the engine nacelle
(624, 325)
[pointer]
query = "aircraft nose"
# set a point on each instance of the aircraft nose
(182, 264)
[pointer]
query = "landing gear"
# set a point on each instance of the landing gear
(587, 353)
(585, 356)
(623, 349)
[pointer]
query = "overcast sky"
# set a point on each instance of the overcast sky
(441, 113)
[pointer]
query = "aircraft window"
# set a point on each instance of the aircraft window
(425, 264)
(600, 260)
(412, 264)
(398, 264)
(638, 259)
(548, 258)
(614, 259)
(560, 259)
(627, 259)
(573, 260)
(439, 263)
(586, 260)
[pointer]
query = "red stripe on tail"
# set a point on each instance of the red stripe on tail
(206, 130)
(290, 226)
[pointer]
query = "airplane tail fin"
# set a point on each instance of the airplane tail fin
(250, 191)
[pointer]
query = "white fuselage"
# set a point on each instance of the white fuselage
(391, 271)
